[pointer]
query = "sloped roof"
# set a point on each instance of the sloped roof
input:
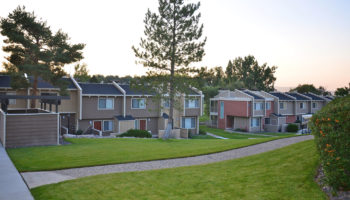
(99, 88)
(132, 91)
(122, 118)
(5, 81)
(281, 96)
(314, 97)
(253, 95)
(328, 97)
(298, 96)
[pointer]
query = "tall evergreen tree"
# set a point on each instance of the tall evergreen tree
(36, 51)
(172, 42)
(81, 73)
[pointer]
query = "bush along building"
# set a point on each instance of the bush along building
(255, 111)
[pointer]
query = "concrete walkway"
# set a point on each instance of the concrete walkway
(35, 179)
(216, 136)
(12, 186)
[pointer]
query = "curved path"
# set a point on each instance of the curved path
(35, 179)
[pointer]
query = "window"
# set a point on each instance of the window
(314, 105)
(105, 103)
(301, 105)
(108, 125)
(255, 122)
(12, 101)
(267, 121)
(191, 103)
(138, 104)
(166, 103)
(222, 110)
(188, 122)
(258, 106)
(282, 105)
(137, 124)
(268, 105)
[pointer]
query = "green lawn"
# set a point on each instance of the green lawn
(230, 135)
(90, 152)
(202, 137)
(285, 173)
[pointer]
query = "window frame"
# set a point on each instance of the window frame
(144, 99)
(268, 105)
(187, 105)
(301, 105)
(103, 125)
(283, 107)
(314, 103)
(251, 122)
(11, 101)
(182, 124)
(261, 106)
(222, 110)
(106, 98)
(268, 119)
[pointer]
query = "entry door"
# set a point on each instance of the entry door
(142, 124)
(98, 125)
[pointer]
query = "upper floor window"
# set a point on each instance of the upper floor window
(12, 101)
(301, 105)
(105, 103)
(258, 106)
(222, 110)
(191, 103)
(314, 105)
(268, 105)
(166, 103)
(138, 103)
(282, 106)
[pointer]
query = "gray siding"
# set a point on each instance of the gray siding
(288, 109)
(152, 108)
(304, 110)
(90, 108)
(31, 130)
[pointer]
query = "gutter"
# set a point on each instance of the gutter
(124, 96)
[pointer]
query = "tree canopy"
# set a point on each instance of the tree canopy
(343, 91)
(305, 88)
(35, 50)
(172, 41)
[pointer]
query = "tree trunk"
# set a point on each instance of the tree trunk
(171, 84)
(34, 91)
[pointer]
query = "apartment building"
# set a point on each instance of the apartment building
(255, 111)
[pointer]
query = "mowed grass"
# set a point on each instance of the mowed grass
(233, 135)
(90, 152)
(285, 173)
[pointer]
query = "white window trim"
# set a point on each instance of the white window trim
(268, 107)
(103, 125)
(138, 108)
(98, 103)
(261, 108)
(195, 99)
(163, 104)
(13, 100)
(251, 124)
(316, 105)
(191, 123)
(284, 106)
(301, 107)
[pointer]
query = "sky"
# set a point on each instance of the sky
(309, 41)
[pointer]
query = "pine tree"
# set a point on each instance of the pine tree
(172, 42)
(36, 51)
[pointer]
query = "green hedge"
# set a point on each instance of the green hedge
(292, 128)
(331, 127)
(136, 133)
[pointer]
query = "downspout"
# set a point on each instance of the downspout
(124, 96)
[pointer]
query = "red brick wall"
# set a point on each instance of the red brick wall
(268, 112)
(232, 108)
(291, 119)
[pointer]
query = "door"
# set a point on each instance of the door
(98, 125)
(142, 124)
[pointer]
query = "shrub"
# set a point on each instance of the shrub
(292, 128)
(331, 127)
(79, 132)
(202, 132)
(240, 130)
(136, 133)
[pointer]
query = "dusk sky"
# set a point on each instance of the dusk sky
(309, 40)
